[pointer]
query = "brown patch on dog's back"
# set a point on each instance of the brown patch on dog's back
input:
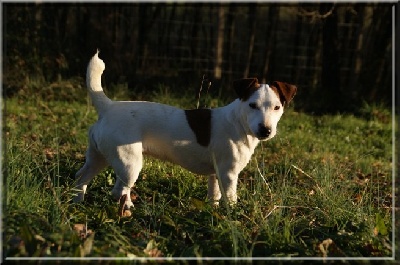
(199, 121)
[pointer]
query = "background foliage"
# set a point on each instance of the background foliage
(340, 55)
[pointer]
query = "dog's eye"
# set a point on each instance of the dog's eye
(253, 105)
(277, 107)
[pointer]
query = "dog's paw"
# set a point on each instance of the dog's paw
(79, 197)
(126, 213)
(123, 209)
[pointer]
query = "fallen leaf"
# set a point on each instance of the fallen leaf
(87, 245)
(323, 247)
(82, 230)
(328, 248)
(151, 249)
(380, 227)
(198, 204)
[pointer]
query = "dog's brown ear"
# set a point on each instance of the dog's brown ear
(245, 87)
(286, 91)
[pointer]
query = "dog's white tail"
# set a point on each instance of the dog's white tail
(93, 81)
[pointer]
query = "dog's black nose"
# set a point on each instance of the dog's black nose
(263, 131)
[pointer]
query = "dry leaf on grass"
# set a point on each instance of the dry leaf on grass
(87, 245)
(82, 230)
(152, 250)
(328, 248)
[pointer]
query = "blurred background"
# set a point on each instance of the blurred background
(339, 55)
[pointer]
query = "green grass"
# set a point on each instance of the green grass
(321, 187)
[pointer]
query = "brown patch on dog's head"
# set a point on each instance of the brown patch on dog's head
(199, 121)
(245, 87)
(285, 91)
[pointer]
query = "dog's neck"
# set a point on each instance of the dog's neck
(237, 122)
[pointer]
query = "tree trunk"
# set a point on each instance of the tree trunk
(252, 18)
(296, 67)
(379, 47)
(230, 25)
(273, 18)
(220, 43)
(330, 78)
(359, 45)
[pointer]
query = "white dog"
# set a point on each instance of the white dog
(214, 142)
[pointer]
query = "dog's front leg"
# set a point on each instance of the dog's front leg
(229, 187)
(214, 192)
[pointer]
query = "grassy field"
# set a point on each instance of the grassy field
(321, 188)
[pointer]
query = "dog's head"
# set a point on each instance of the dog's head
(261, 105)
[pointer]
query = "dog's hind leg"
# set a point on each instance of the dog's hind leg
(95, 162)
(127, 165)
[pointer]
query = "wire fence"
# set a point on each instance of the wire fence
(323, 48)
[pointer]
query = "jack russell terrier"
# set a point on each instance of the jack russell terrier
(216, 142)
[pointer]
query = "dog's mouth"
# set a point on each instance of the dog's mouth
(264, 138)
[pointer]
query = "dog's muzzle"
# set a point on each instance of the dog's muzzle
(263, 132)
